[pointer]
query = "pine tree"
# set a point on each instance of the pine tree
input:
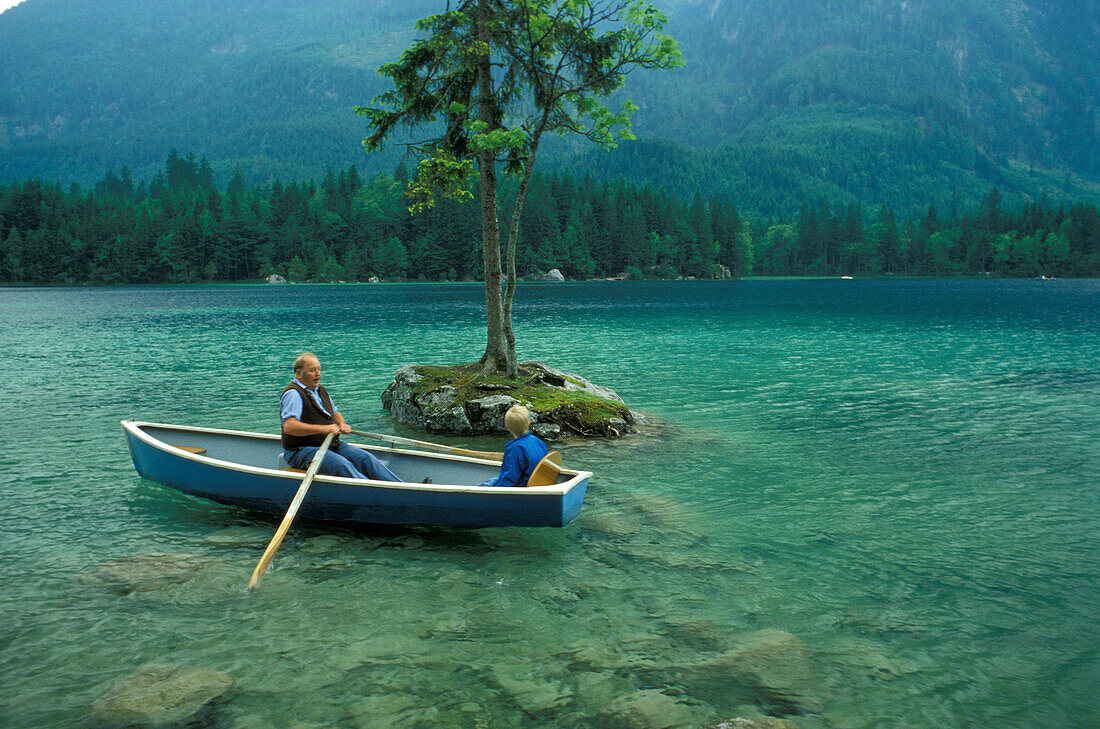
(557, 60)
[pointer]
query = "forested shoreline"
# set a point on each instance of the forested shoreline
(181, 228)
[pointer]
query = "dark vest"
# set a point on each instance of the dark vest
(314, 416)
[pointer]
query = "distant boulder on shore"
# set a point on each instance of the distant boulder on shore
(275, 279)
(553, 275)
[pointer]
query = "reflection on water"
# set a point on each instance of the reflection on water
(865, 504)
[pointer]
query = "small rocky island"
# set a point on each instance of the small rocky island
(458, 400)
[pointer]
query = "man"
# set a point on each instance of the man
(309, 415)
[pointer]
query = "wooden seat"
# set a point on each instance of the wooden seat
(547, 470)
(294, 470)
(191, 449)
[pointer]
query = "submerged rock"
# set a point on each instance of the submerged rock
(145, 572)
(239, 536)
(158, 696)
(767, 722)
(867, 656)
(768, 667)
(648, 709)
(536, 694)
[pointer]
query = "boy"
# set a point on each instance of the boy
(522, 453)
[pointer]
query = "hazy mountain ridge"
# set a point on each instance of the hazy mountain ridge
(881, 101)
(905, 102)
(1027, 68)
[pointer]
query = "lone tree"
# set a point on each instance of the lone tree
(486, 81)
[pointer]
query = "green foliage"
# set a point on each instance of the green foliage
(559, 60)
(442, 173)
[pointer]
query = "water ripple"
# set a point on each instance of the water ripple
(900, 474)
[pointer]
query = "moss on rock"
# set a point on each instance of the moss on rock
(460, 400)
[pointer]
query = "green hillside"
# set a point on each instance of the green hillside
(904, 103)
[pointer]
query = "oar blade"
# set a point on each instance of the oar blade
(291, 512)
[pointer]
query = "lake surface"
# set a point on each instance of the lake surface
(862, 504)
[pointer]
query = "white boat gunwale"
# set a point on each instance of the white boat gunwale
(135, 427)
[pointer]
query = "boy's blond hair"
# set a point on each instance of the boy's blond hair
(517, 420)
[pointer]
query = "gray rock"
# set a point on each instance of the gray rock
(487, 413)
(648, 709)
(399, 398)
(385, 711)
(433, 413)
(276, 279)
(146, 572)
(547, 431)
(869, 656)
(597, 690)
(554, 275)
(536, 694)
(440, 400)
(768, 666)
(239, 536)
(158, 695)
(699, 635)
(438, 412)
(454, 420)
(765, 722)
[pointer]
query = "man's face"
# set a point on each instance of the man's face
(310, 374)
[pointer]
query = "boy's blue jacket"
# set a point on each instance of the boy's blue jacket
(521, 455)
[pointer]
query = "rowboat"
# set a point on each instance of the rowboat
(246, 469)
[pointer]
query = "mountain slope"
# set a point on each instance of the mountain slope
(906, 103)
(267, 87)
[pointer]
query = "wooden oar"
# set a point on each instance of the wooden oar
(397, 440)
(269, 553)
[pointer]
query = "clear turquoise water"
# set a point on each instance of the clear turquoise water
(901, 474)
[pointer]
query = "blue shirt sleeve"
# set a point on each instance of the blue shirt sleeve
(290, 406)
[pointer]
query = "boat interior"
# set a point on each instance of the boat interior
(413, 466)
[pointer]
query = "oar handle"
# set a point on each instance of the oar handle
(398, 440)
(284, 527)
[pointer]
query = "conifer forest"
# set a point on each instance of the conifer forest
(181, 228)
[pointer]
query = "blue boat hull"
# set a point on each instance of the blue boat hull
(241, 469)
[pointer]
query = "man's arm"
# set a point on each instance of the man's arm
(293, 426)
(291, 410)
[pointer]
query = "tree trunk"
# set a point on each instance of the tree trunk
(513, 240)
(495, 359)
